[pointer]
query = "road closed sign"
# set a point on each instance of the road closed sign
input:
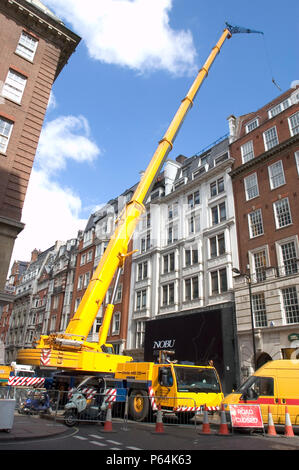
(246, 416)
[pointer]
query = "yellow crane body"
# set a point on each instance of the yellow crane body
(71, 350)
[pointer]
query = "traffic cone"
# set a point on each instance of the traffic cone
(223, 430)
(271, 428)
(159, 421)
(288, 432)
(108, 422)
(205, 426)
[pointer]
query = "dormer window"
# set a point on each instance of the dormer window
(279, 108)
(252, 125)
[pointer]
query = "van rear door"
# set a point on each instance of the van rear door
(288, 389)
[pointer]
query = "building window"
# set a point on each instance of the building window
(173, 210)
(279, 108)
(259, 310)
(80, 282)
(83, 259)
(218, 213)
(282, 213)
(86, 279)
(168, 263)
(191, 288)
(291, 306)
(14, 86)
(168, 294)
(142, 271)
(251, 186)
(276, 175)
(247, 152)
(218, 281)
(193, 224)
(27, 46)
(141, 299)
(193, 200)
(5, 133)
(116, 323)
(296, 159)
(252, 125)
(217, 245)
(270, 138)
(146, 242)
(289, 258)
(260, 263)
(255, 223)
(140, 333)
(119, 293)
(294, 123)
(191, 256)
(172, 233)
(217, 187)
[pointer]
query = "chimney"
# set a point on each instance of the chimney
(34, 255)
(180, 159)
(170, 172)
(232, 124)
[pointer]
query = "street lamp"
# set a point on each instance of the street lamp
(248, 278)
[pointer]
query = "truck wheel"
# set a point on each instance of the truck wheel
(138, 405)
(70, 418)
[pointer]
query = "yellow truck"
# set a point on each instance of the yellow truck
(275, 384)
(4, 374)
(70, 350)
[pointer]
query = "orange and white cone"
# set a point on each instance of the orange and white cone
(159, 421)
(288, 430)
(205, 425)
(271, 431)
(108, 422)
(223, 430)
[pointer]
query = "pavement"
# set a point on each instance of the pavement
(32, 427)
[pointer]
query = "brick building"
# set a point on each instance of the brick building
(36, 46)
(265, 175)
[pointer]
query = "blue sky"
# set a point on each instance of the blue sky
(114, 100)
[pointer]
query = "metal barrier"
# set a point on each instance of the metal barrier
(85, 406)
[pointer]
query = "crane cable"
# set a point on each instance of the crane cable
(269, 64)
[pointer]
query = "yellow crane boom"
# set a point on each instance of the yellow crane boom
(70, 349)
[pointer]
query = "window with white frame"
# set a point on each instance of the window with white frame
(83, 259)
(5, 133)
(142, 271)
(191, 288)
(276, 175)
(168, 263)
(27, 46)
(289, 257)
(145, 242)
(218, 213)
(168, 294)
(259, 310)
(255, 222)
(247, 151)
(173, 210)
(217, 245)
(86, 279)
(52, 323)
(191, 256)
(270, 138)
(294, 124)
(217, 187)
(193, 222)
(279, 108)
(296, 160)
(14, 86)
(193, 199)
(260, 263)
(251, 186)
(80, 282)
(141, 299)
(116, 323)
(140, 333)
(172, 233)
(291, 305)
(252, 125)
(119, 293)
(89, 256)
(218, 281)
(282, 213)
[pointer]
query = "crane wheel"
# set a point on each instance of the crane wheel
(139, 405)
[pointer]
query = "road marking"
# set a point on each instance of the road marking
(81, 437)
(96, 436)
(98, 443)
(133, 448)
(115, 442)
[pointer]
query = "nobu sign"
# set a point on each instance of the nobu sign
(164, 343)
(246, 416)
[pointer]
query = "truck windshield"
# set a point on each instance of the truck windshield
(200, 380)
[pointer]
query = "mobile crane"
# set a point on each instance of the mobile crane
(71, 350)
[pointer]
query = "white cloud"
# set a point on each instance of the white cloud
(132, 33)
(52, 212)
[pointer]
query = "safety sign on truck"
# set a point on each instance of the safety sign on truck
(246, 416)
